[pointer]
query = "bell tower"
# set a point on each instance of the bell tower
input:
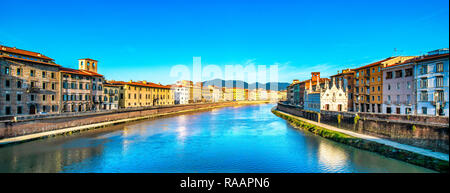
(88, 64)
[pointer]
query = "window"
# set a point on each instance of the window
(32, 97)
(379, 98)
(19, 71)
(43, 74)
(32, 73)
(440, 67)
(8, 97)
(7, 70)
(389, 98)
(423, 83)
(44, 97)
(7, 110)
(398, 74)
(398, 86)
(19, 84)
(65, 85)
(440, 96)
(7, 83)
(423, 69)
(19, 110)
(53, 86)
(19, 97)
(388, 75)
(53, 75)
(53, 97)
(407, 111)
(44, 85)
(408, 99)
(379, 88)
(389, 87)
(398, 99)
(408, 72)
(408, 85)
(388, 110)
(424, 110)
(423, 96)
(439, 81)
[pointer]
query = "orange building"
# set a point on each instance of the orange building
(368, 83)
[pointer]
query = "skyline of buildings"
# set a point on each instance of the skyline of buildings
(32, 83)
(396, 85)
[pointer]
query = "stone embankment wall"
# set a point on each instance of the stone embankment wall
(428, 132)
(39, 123)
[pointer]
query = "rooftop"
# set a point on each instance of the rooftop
(79, 72)
(140, 83)
(14, 50)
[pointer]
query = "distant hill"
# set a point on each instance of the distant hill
(243, 84)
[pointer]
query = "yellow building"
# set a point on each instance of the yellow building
(143, 94)
(238, 94)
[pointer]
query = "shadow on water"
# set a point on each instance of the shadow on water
(229, 139)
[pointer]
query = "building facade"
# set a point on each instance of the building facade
(368, 83)
(82, 89)
(181, 94)
(333, 97)
(347, 78)
(111, 94)
(29, 83)
(399, 89)
(431, 77)
(143, 94)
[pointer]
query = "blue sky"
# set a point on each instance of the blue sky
(142, 40)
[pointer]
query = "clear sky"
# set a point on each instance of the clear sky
(142, 40)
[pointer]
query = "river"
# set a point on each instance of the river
(231, 139)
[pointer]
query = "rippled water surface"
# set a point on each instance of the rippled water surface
(231, 139)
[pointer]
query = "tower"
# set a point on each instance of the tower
(88, 64)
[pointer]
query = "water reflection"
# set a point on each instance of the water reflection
(231, 139)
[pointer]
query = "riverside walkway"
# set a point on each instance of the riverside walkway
(422, 151)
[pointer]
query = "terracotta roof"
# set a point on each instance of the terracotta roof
(88, 59)
(429, 57)
(26, 60)
(23, 52)
(80, 72)
(373, 64)
(109, 84)
(140, 83)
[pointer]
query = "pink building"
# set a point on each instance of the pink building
(398, 89)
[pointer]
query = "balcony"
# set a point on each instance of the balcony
(33, 89)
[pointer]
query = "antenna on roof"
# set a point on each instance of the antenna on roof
(395, 52)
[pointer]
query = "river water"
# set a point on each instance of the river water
(231, 139)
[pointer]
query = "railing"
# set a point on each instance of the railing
(33, 89)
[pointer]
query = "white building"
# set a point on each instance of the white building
(334, 98)
(181, 94)
(216, 93)
(326, 97)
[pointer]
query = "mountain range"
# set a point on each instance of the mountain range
(245, 85)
